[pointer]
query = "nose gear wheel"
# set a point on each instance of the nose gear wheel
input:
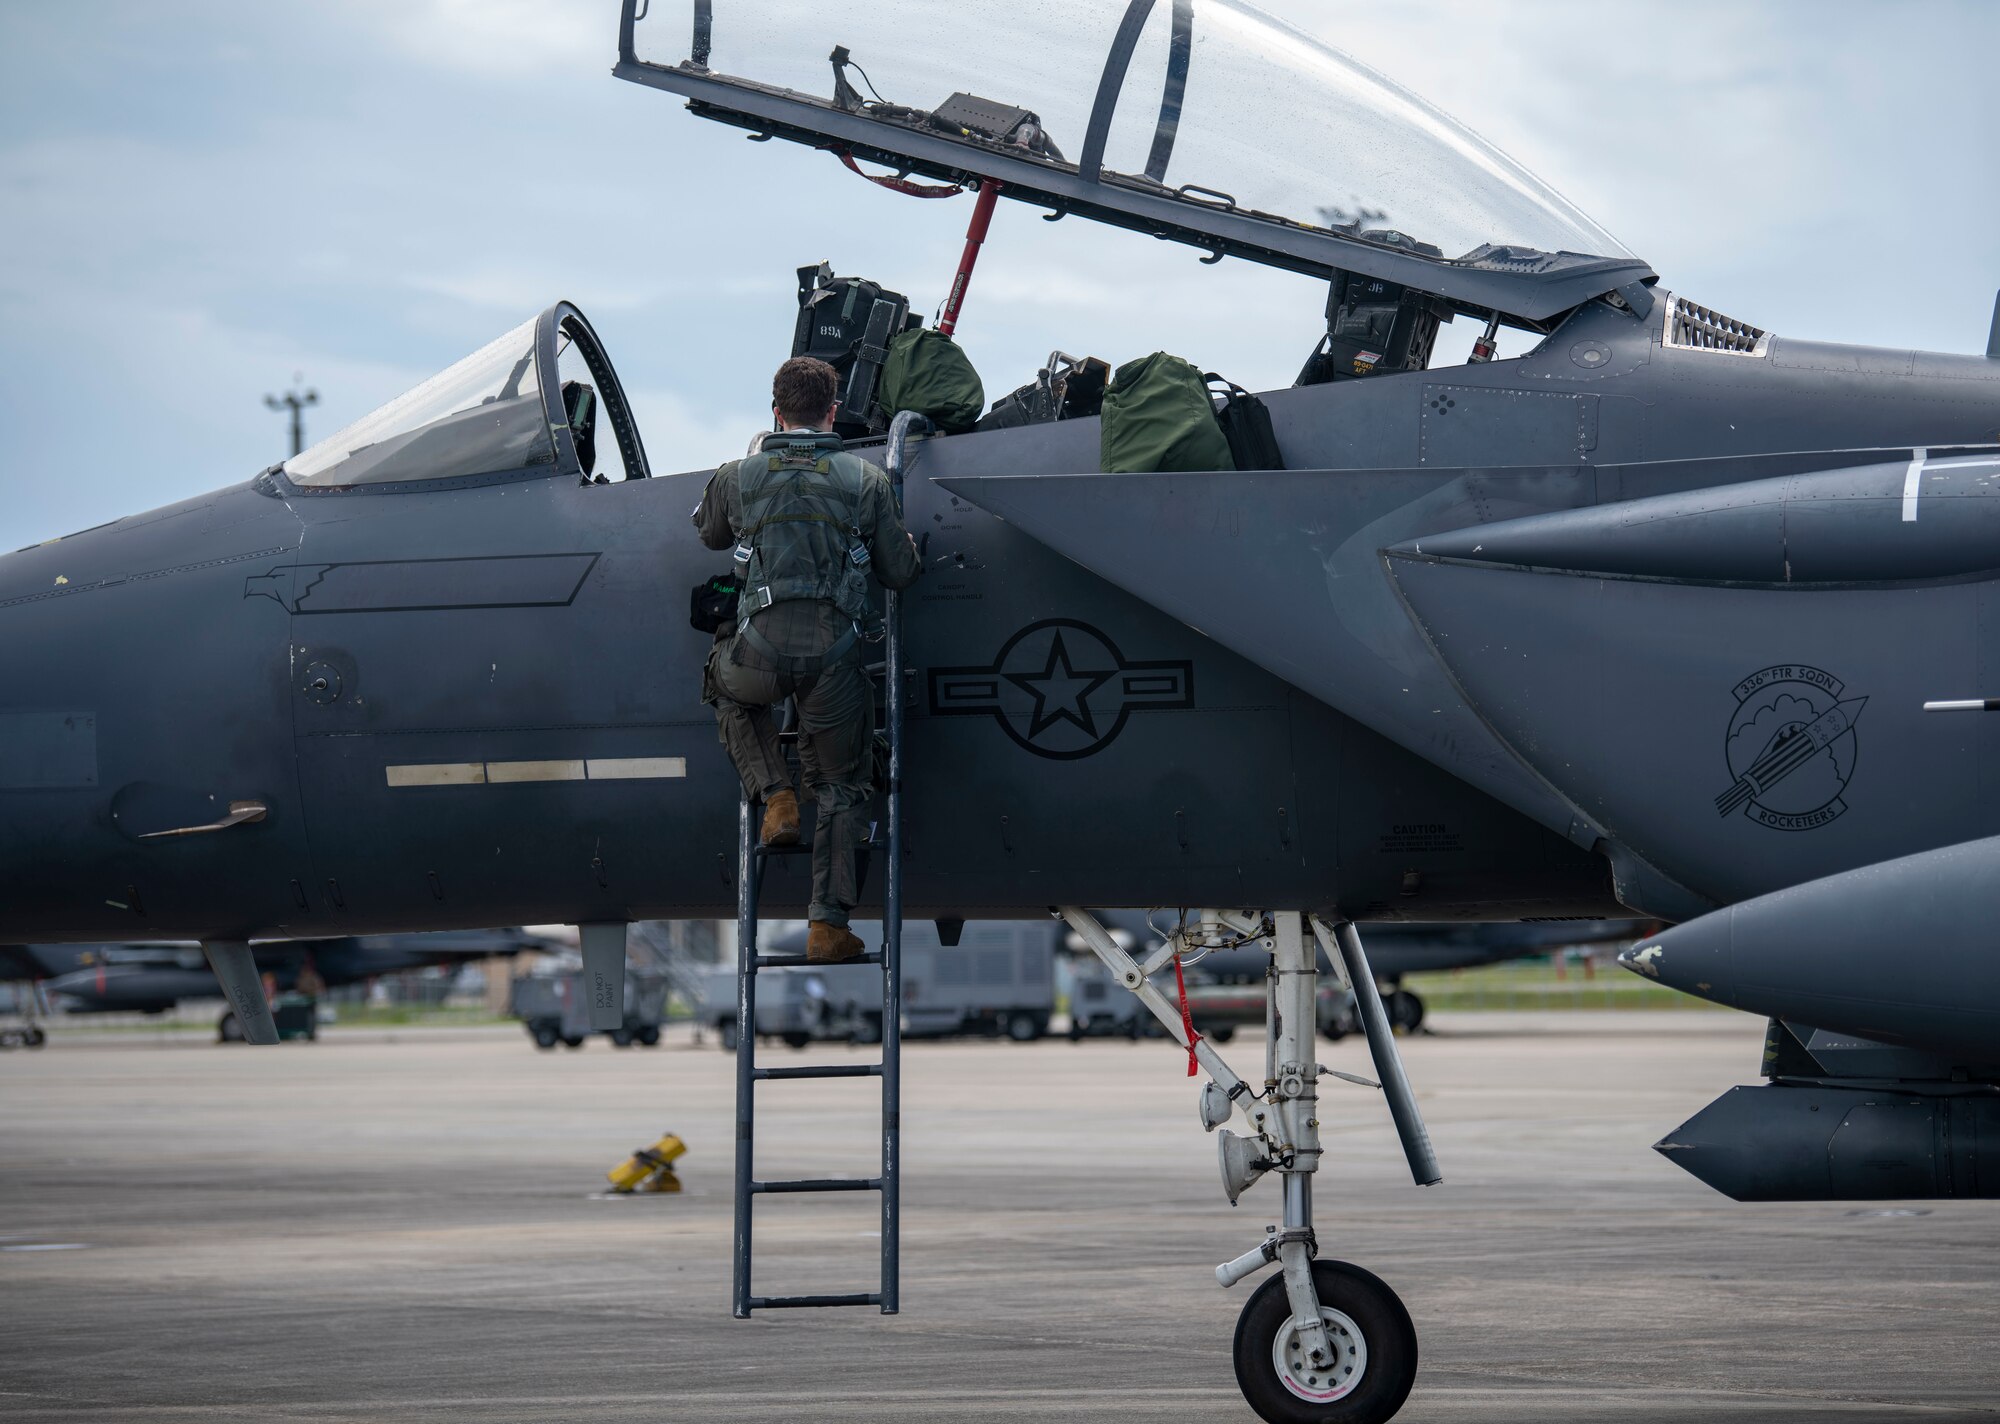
(1373, 1349)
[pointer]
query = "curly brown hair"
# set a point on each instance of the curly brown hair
(803, 390)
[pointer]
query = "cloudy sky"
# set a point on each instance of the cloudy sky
(198, 200)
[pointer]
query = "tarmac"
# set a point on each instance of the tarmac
(409, 1226)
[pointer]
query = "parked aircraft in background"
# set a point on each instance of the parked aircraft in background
(151, 977)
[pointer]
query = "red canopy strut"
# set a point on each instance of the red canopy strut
(975, 234)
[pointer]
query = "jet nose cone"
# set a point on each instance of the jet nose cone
(1640, 958)
(1693, 958)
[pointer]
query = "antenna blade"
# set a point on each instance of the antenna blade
(604, 973)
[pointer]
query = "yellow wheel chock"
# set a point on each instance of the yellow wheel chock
(650, 1169)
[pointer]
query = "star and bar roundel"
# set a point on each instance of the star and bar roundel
(1061, 689)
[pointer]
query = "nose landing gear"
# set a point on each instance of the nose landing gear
(1322, 1342)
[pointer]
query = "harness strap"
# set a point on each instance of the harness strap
(800, 666)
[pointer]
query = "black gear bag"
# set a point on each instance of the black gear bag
(1246, 425)
(712, 604)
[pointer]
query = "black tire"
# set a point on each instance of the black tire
(796, 1038)
(1022, 1028)
(726, 1032)
(1387, 1372)
(649, 1036)
(1222, 1033)
(1406, 1011)
(867, 1029)
(576, 1042)
(34, 1037)
(621, 1037)
(1334, 1030)
(228, 1030)
(544, 1035)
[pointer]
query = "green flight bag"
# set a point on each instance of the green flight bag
(926, 372)
(1158, 416)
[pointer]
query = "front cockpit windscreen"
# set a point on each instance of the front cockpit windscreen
(483, 416)
(1219, 105)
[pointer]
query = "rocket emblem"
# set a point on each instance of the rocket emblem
(1791, 747)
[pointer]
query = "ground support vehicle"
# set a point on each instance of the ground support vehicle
(554, 1009)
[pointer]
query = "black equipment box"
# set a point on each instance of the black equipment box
(848, 323)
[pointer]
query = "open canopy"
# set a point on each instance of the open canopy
(1202, 120)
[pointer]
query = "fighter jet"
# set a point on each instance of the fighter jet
(150, 978)
(1394, 951)
(1642, 621)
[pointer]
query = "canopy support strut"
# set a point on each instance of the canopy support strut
(975, 235)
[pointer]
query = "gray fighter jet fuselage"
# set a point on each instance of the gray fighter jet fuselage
(413, 682)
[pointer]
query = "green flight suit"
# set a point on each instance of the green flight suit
(803, 510)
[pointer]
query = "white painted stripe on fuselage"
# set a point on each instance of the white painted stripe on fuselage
(636, 768)
(492, 773)
(534, 771)
(439, 773)
(1911, 485)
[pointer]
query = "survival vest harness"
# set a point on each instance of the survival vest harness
(801, 538)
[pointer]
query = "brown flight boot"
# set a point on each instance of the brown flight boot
(831, 944)
(781, 818)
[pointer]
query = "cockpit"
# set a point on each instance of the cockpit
(1203, 122)
(536, 400)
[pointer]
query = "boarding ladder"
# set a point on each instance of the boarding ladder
(751, 860)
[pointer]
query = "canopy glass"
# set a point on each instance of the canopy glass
(1214, 103)
(481, 416)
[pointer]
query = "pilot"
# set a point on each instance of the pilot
(810, 523)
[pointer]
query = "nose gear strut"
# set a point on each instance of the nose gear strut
(1322, 1340)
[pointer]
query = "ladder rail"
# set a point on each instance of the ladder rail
(896, 460)
(747, 877)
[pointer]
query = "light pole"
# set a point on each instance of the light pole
(295, 401)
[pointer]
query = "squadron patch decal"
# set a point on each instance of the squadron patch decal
(1790, 746)
(1061, 689)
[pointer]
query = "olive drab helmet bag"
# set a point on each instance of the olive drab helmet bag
(801, 506)
(1158, 416)
(928, 373)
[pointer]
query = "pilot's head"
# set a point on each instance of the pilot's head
(802, 394)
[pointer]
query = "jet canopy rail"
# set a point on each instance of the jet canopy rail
(1199, 121)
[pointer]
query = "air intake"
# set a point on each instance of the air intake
(1696, 328)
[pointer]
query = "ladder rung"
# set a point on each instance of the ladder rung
(796, 961)
(805, 1302)
(822, 1070)
(820, 1184)
(800, 848)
